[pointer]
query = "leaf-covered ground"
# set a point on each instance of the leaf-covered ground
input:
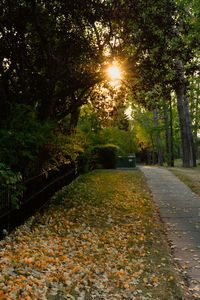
(99, 239)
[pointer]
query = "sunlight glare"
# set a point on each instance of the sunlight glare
(114, 72)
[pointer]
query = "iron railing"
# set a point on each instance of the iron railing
(32, 194)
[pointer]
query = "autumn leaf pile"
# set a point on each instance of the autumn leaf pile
(99, 239)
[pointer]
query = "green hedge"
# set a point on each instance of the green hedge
(104, 157)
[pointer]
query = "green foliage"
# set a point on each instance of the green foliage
(125, 140)
(7, 176)
(63, 148)
(30, 146)
(52, 63)
(22, 138)
(10, 181)
(49, 61)
(48, 53)
(98, 133)
(104, 156)
(144, 128)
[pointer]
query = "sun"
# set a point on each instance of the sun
(114, 73)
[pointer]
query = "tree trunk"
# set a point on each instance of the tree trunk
(195, 92)
(184, 116)
(167, 133)
(74, 119)
(184, 136)
(171, 135)
(153, 154)
(190, 135)
(197, 118)
(148, 156)
(158, 142)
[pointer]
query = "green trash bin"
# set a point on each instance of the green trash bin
(126, 161)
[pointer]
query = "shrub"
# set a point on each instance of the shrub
(22, 138)
(104, 157)
(9, 181)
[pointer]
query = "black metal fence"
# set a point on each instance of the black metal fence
(32, 194)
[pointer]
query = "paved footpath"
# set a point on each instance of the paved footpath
(179, 209)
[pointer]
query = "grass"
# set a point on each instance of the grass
(193, 184)
(190, 176)
(179, 162)
(100, 239)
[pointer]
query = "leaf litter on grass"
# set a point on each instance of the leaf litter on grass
(99, 239)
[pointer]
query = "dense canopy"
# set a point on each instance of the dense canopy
(57, 101)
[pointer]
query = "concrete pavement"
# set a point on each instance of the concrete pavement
(179, 209)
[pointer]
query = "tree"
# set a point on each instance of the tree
(50, 54)
(157, 33)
